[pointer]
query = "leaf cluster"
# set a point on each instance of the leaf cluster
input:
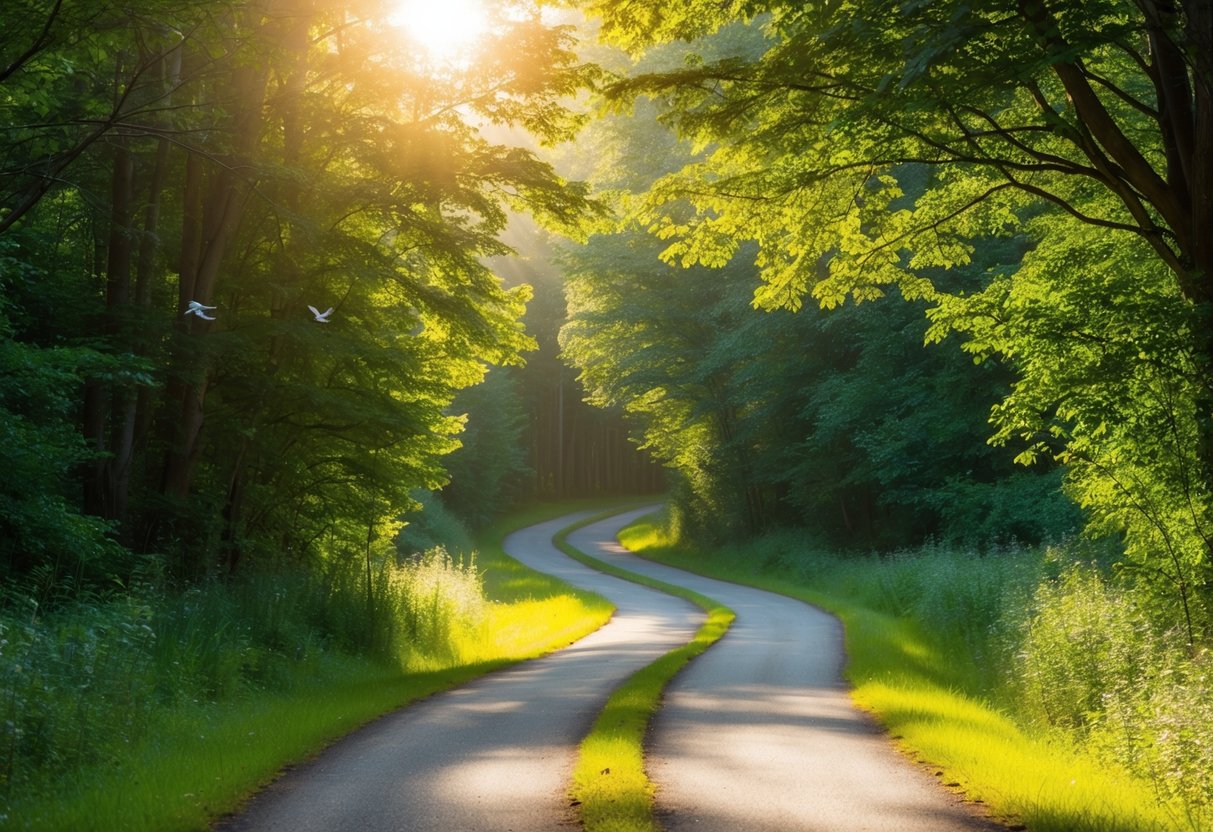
(878, 148)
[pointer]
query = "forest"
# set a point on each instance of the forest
(297, 299)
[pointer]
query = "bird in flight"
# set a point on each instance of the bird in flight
(323, 317)
(196, 308)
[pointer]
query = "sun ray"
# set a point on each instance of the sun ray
(444, 28)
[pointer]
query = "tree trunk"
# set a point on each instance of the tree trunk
(98, 497)
(293, 39)
(135, 416)
(208, 229)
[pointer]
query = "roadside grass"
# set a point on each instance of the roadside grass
(197, 760)
(923, 686)
(610, 789)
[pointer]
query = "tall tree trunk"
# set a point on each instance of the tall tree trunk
(208, 229)
(134, 414)
(292, 36)
(1199, 170)
(99, 395)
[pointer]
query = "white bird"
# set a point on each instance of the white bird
(196, 308)
(323, 317)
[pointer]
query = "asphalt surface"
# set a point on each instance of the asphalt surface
(498, 753)
(759, 733)
(756, 735)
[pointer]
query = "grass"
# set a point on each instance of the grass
(610, 789)
(923, 688)
(198, 760)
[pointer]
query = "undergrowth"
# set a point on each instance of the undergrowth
(144, 709)
(1035, 679)
(82, 683)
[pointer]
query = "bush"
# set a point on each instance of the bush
(80, 684)
(432, 525)
(1053, 636)
(438, 597)
(71, 686)
(1022, 506)
(1096, 663)
(1081, 640)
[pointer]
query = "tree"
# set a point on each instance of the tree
(835, 420)
(573, 449)
(489, 470)
(259, 157)
(1084, 127)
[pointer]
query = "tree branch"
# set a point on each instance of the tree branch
(37, 46)
(1132, 167)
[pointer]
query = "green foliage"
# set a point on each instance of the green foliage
(161, 153)
(86, 682)
(1102, 344)
(490, 467)
(975, 658)
(644, 339)
(431, 525)
(1064, 650)
(41, 526)
(1083, 641)
(770, 418)
(1095, 662)
(872, 147)
(271, 638)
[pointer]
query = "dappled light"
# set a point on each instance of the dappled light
(490, 755)
(339, 338)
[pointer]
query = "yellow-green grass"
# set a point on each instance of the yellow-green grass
(610, 788)
(913, 687)
(201, 761)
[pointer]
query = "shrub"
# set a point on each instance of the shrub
(1097, 664)
(80, 684)
(432, 525)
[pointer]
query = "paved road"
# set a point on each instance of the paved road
(759, 735)
(496, 754)
(756, 735)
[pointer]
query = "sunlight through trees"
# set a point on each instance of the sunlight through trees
(879, 273)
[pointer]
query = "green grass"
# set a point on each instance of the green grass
(203, 761)
(198, 761)
(610, 789)
(927, 694)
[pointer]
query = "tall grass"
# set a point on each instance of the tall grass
(145, 710)
(1094, 662)
(82, 684)
(1031, 679)
(611, 789)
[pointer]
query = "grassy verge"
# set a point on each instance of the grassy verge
(922, 687)
(198, 760)
(610, 788)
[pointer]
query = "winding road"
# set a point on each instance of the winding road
(756, 734)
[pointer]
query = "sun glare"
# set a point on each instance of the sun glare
(444, 28)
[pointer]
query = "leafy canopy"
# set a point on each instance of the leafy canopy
(873, 144)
